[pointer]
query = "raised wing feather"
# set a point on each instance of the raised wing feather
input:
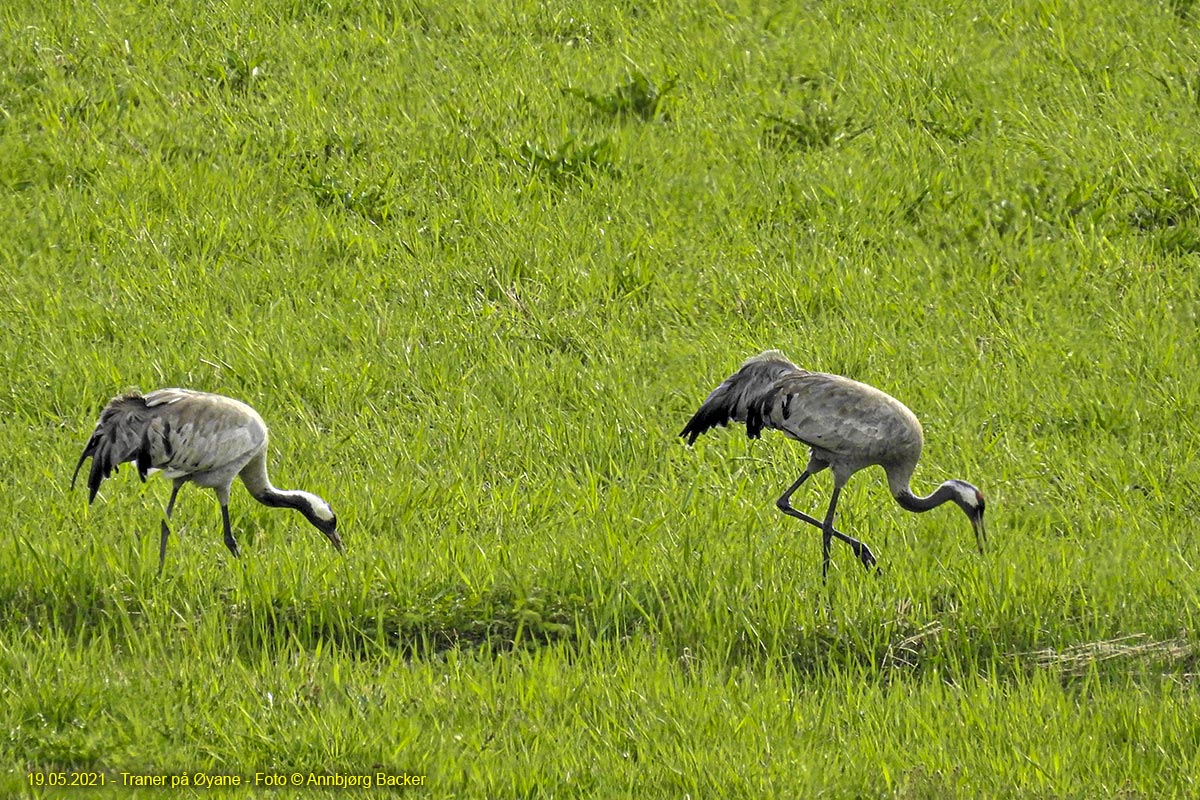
(160, 397)
(116, 439)
(743, 396)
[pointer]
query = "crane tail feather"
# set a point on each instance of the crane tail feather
(142, 457)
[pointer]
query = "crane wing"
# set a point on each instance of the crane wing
(194, 432)
(844, 417)
(179, 431)
(194, 447)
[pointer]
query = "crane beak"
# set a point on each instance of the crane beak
(329, 528)
(332, 535)
(335, 540)
(980, 531)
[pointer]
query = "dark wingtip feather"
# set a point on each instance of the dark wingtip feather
(100, 447)
(90, 451)
(705, 419)
(100, 471)
(143, 459)
(754, 422)
(78, 466)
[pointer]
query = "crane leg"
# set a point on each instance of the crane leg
(166, 529)
(827, 532)
(784, 503)
(230, 542)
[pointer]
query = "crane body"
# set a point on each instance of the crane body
(847, 425)
(194, 437)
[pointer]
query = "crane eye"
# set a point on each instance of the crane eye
(979, 498)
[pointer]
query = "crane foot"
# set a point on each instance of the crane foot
(865, 556)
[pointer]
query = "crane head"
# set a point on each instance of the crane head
(329, 528)
(323, 519)
(970, 500)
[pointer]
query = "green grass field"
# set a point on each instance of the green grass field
(476, 264)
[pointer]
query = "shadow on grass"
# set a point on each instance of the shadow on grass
(498, 620)
(503, 619)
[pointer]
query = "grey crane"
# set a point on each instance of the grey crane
(206, 439)
(848, 426)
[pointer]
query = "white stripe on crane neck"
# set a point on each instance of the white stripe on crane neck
(321, 510)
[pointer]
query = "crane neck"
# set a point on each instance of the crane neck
(315, 510)
(911, 502)
(254, 475)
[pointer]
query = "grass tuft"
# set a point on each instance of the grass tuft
(236, 71)
(570, 162)
(639, 98)
(374, 201)
(812, 129)
(1077, 660)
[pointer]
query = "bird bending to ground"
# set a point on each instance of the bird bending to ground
(207, 439)
(849, 426)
